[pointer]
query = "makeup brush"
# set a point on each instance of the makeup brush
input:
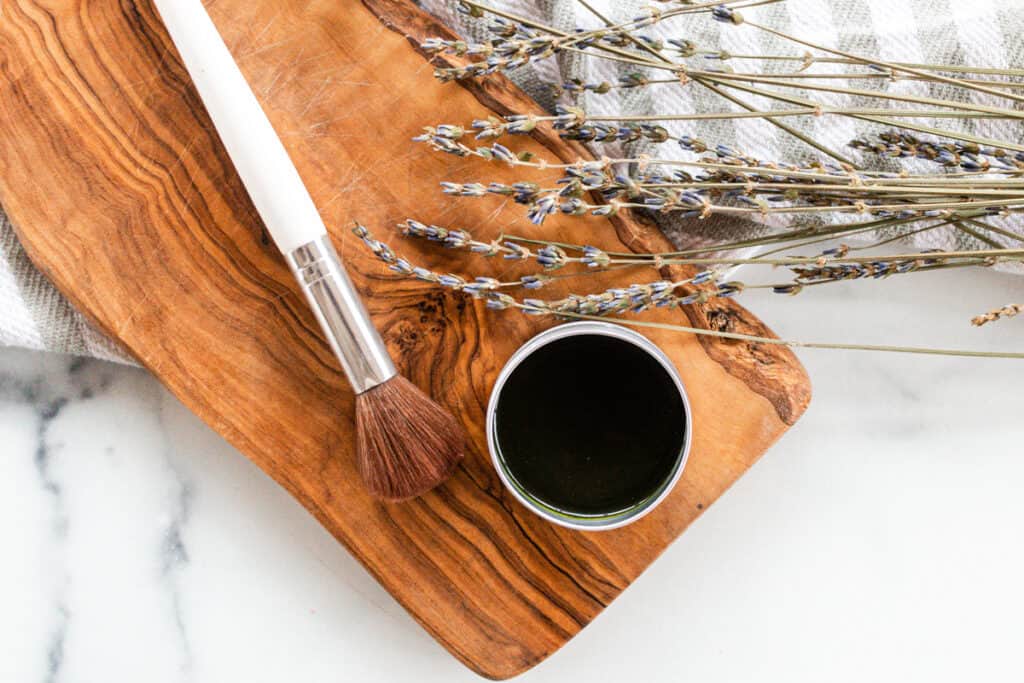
(406, 444)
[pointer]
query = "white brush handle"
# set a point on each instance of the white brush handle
(259, 157)
(278, 193)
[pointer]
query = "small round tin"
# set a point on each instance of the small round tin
(572, 519)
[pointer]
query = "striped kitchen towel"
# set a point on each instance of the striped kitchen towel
(979, 33)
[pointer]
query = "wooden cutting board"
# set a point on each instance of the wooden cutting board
(120, 191)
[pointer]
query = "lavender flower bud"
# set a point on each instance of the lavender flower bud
(449, 280)
(534, 281)
(541, 209)
(481, 285)
(551, 257)
(649, 17)
(633, 80)
(517, 252)
(503, 153)
(402, 267)
(573, 207)
(455, 239)
(726, 15)
(692, 144)
(686, 48)
(433, 44)
(423, 274)
(535, 307)
(498, 301)
(703, 277)
(449, 131)
(522, 126)
(595, 258)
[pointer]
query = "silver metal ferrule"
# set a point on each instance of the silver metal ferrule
(341, 314)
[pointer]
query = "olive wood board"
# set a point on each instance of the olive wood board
(121, 193)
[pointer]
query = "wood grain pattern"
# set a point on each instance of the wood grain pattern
(122, 194)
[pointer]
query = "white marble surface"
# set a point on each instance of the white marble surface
(879, 540)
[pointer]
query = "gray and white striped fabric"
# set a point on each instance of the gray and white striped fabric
(979, 32)
(34, 315)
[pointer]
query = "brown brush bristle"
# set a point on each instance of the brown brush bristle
(405, 443)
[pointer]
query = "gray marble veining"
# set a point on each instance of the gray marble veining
(877, 541)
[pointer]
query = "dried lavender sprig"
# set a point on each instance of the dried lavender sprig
(499, 301)
(699, 203)
(861, 208)
(833, 264)
(1007, 311)
(828, 266)
(634, 298)
(573, 123)
(481, 287)
(718, 183)
(518, 43)
(790, 239)
(729, 164)
(648, 16)
(550, 256)
(605, 44)
(968, 156)
(696, 198)
(876, 269)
